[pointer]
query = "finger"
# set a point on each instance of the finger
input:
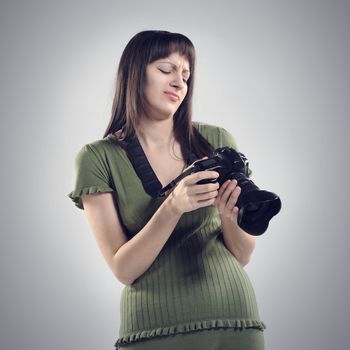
(206, 203)
(228, 190)
(201, 175)
(223, 186)
(221, 191)
(206, 196)
(205, 188)
(233, 212)
(233, 198)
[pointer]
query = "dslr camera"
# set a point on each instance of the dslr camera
(256, 206)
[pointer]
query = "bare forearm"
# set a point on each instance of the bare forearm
(240, 243)
(135, 256)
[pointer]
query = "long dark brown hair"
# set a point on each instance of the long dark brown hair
(129, 101)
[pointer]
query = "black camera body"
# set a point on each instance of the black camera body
(229, 163)
(256, 207)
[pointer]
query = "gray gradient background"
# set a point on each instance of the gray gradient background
(274, 73)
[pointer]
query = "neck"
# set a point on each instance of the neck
(155, 133)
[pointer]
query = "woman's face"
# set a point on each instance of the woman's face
(163, 77)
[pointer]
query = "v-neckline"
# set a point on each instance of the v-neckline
(150, 166)
(141, 165)
(141, 152)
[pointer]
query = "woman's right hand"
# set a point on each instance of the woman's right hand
(187, 195)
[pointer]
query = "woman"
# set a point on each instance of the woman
(181, 255)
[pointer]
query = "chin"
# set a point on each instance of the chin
(168, 113)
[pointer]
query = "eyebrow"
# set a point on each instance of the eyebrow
(174, 65)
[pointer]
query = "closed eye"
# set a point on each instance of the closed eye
(169, 73)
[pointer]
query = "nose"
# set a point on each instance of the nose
(177, 81)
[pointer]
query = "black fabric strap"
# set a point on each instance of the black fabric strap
(143, 169)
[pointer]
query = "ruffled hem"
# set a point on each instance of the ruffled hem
(75, 195)
(189, 327)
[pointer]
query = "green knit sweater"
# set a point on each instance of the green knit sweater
(195, 282)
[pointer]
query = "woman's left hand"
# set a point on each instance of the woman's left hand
(226, 199)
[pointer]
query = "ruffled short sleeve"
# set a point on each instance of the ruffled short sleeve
(91, 175)
(226, 139)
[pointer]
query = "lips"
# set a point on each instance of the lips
(172, 94)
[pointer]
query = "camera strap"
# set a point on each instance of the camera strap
(144, 171)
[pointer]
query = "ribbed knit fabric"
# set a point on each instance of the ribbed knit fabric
(195, 282)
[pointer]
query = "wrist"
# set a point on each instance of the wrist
(171, 207)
